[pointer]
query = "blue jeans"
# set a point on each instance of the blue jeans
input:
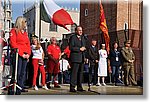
(115, 74)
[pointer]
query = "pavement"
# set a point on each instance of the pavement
(95, 90)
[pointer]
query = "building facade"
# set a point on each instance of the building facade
(117, 13)
(6, 16)
(1, 15)
(48, 30)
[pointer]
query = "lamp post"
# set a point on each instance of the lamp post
(126, 30)
(46, 43)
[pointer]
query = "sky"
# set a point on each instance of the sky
(18, 5)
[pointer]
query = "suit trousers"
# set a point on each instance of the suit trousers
(76, 75)
(93, 68)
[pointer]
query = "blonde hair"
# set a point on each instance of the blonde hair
(38, 43)
(20, 23)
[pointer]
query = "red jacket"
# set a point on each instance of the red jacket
(20, 41)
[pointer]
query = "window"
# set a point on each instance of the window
(86, 12)
(52, 27)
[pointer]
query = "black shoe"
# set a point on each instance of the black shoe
(48, 86)
(56, 86)
(126, 84)
(135, 84)
(73, 90)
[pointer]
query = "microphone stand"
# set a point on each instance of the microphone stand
(89, 86)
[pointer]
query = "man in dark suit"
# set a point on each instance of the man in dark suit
(93, 59)
(77, 55)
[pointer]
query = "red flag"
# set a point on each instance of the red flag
(59, 16)
(104, 28)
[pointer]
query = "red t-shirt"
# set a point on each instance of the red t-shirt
(21, 41)
(54, 51)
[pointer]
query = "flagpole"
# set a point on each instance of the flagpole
(100, 34)
(40, 20)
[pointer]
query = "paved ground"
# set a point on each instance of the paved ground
(95, 90)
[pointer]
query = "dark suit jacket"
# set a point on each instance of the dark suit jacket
(93, 55)
(112, 57)
(74, 45)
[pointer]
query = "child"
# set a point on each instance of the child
(64, 66)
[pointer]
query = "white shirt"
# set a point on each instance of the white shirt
(37, 54)
(63, 63)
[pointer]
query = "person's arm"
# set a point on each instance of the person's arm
(43, 55)
(72, 45)
(124, 55)
(50, 55)
(133, 56)
(13, 43)
(74, 48)
(91, 56)
(29, 48)
(68, 65)
(13, 39)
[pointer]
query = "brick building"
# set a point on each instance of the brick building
(117, 13)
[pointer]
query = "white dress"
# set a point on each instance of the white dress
(102, 64)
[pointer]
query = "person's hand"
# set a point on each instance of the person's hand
(27, 56)
(56, 60)
(96, 61)
(41, 61)
(82, 49)
(62, 53)
(24, 56)
(131, 61)
(109, 69)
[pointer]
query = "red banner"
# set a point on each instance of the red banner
(104, 28)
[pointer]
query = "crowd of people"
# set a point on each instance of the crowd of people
(69, 63)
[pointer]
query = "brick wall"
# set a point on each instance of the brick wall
(116, 13)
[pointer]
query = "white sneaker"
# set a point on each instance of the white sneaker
(103, 84)
(36, 88)
(98, 84)
(45, 87)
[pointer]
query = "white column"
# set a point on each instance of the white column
(37, 18)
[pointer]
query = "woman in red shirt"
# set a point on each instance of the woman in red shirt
(19, 40)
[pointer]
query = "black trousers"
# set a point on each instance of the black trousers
(21, 72)
(76, 75)
(93, 68)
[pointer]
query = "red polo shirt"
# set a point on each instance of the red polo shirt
(21, 41)
(54, 51)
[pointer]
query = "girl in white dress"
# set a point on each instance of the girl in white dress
(102, 65)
